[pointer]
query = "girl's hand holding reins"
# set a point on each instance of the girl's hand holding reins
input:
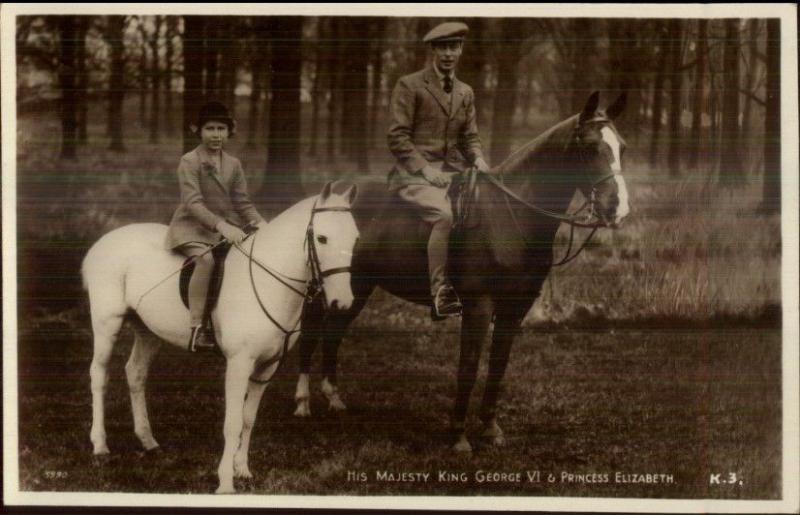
(230, 232)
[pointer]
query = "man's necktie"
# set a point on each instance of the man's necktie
(448, 84)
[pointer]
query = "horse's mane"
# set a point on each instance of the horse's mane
(553, 138)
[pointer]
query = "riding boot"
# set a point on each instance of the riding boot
(200, 337)
(445, 301)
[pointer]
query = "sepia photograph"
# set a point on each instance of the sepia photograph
(490, 256)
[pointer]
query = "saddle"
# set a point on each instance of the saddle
(214, 286)
(464, 193)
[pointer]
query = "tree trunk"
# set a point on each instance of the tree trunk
(169, 70)
(193, 62)
(699, 104)
(67, 32)
(115, 32)
(257, 67)
(355, 92)
(211, 58)
(658, 93)
(625, 58)
(143, 75)
(750, 72)
(316, 84)
(731, 169)
(334, 86)
(82, 78)
(771, 201)
(229, 52)
(470, 67)
(281, 186)
(583, 61)
(421, 49)
(505, 98)
(377, 77)
(675, 94)
(155, 77)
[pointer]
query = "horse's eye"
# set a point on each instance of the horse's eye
(322, 239)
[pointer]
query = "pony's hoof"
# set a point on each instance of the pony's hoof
(244, 475)
(303, 410)
(242, 472)
(100, 460)
(462, 446)
(225, 489)
(101, 450)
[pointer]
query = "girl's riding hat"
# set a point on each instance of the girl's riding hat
(214, 112)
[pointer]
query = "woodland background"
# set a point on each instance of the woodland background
(657, 350)
(104, 104)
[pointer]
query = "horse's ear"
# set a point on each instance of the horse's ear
(351, 194)
(590, 107)
(326, 192)
(618, 106)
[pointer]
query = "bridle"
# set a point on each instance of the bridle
(577, 218)
(313, 285)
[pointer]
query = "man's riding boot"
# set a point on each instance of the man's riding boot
(445, 300)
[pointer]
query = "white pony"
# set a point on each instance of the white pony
(266, 278)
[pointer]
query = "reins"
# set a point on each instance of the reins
(572, 219)
(313, 286)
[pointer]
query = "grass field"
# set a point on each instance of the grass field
(657, 351)
(683, 402)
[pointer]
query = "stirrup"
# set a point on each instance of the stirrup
(200, 339)
(445, 303)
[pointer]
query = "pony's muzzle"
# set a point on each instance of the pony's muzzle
(338, 293)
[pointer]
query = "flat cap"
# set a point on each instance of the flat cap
(448, 31)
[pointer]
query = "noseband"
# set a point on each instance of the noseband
(318, 275)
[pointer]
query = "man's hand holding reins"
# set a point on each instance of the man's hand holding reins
(434, 176)
(482, 165)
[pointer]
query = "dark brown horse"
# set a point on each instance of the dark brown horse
(498, 260)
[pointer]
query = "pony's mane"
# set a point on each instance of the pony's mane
(558, 134)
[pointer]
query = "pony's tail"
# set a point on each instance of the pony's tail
(103, 277)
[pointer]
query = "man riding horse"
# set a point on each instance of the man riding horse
(433, 136)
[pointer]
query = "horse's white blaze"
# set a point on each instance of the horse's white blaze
(622, 193)
(611, 140)
(616, 168)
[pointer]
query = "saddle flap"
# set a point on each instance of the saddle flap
(464, 195)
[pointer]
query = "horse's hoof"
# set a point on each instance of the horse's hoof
(494, 434)
(462, 446)
(153, 452)
(303, 410)
(336, 404)
(498, 440)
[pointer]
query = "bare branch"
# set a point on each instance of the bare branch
(752, 96)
